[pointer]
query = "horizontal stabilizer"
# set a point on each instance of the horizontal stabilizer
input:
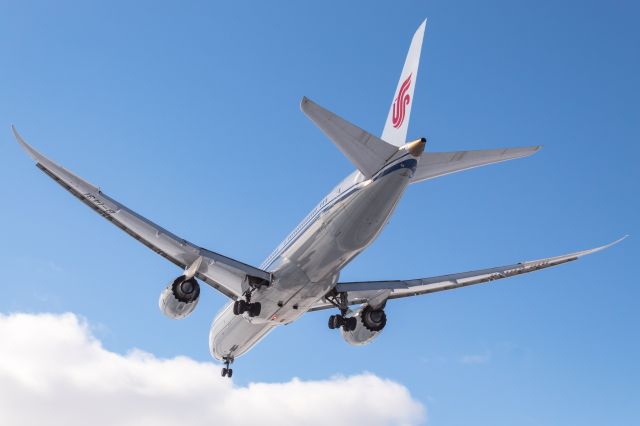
(367, 152)
(434, 164)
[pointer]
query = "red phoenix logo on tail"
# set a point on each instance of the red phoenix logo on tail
(400, 103)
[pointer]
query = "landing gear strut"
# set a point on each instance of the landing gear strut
(339, 300)
(226, 371)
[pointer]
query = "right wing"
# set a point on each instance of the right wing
(434, 164)
(227, 275)
(380, 291)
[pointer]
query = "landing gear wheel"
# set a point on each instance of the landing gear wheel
(340, 300)
(350, 324)
(254, 309)
(239, 306)
(242, 306)
(336, 321)
(226, 371)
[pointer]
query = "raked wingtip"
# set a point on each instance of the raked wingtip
(19, 139)
(16, 134)
(35, 155)
(624, 237)
(611, 244)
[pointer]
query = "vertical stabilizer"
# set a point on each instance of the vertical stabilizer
(395, 129)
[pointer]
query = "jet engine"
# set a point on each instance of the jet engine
(370, 323)
(180, 297)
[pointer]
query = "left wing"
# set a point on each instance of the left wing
(380, 291)
(227, 275)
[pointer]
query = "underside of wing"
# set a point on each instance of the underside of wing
(380, 291)
(229, 276)
(435, 164)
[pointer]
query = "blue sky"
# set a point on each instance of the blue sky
(189, 114)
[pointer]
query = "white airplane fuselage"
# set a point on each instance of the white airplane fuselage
(307, 264)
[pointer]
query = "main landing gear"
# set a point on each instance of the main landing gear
(347, 323)
(226, 371)
(339, 300)
(241, 306)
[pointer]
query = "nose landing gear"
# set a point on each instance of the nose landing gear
(226, 371)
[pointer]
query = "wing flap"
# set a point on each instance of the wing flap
(227, 275)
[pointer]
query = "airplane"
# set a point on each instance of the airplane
(302, 274)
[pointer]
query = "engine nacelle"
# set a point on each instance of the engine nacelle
(370, 323)
(180, 298)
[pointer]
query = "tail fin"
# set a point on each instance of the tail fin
(395, 129)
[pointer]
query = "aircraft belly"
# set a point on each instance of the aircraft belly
(349, 227)
(232, 335)
(308, 269)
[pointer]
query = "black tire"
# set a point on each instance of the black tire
(254, 309)
(224, 372)
(332, 321)
(241, 306)
(230, 373)
(336, 321)
(351, 323)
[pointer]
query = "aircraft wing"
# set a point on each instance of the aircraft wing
(227, 275)
(380, 291)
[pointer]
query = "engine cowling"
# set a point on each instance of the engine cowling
(180, 298)
(370, 323)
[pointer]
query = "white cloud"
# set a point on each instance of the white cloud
(53, 371)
